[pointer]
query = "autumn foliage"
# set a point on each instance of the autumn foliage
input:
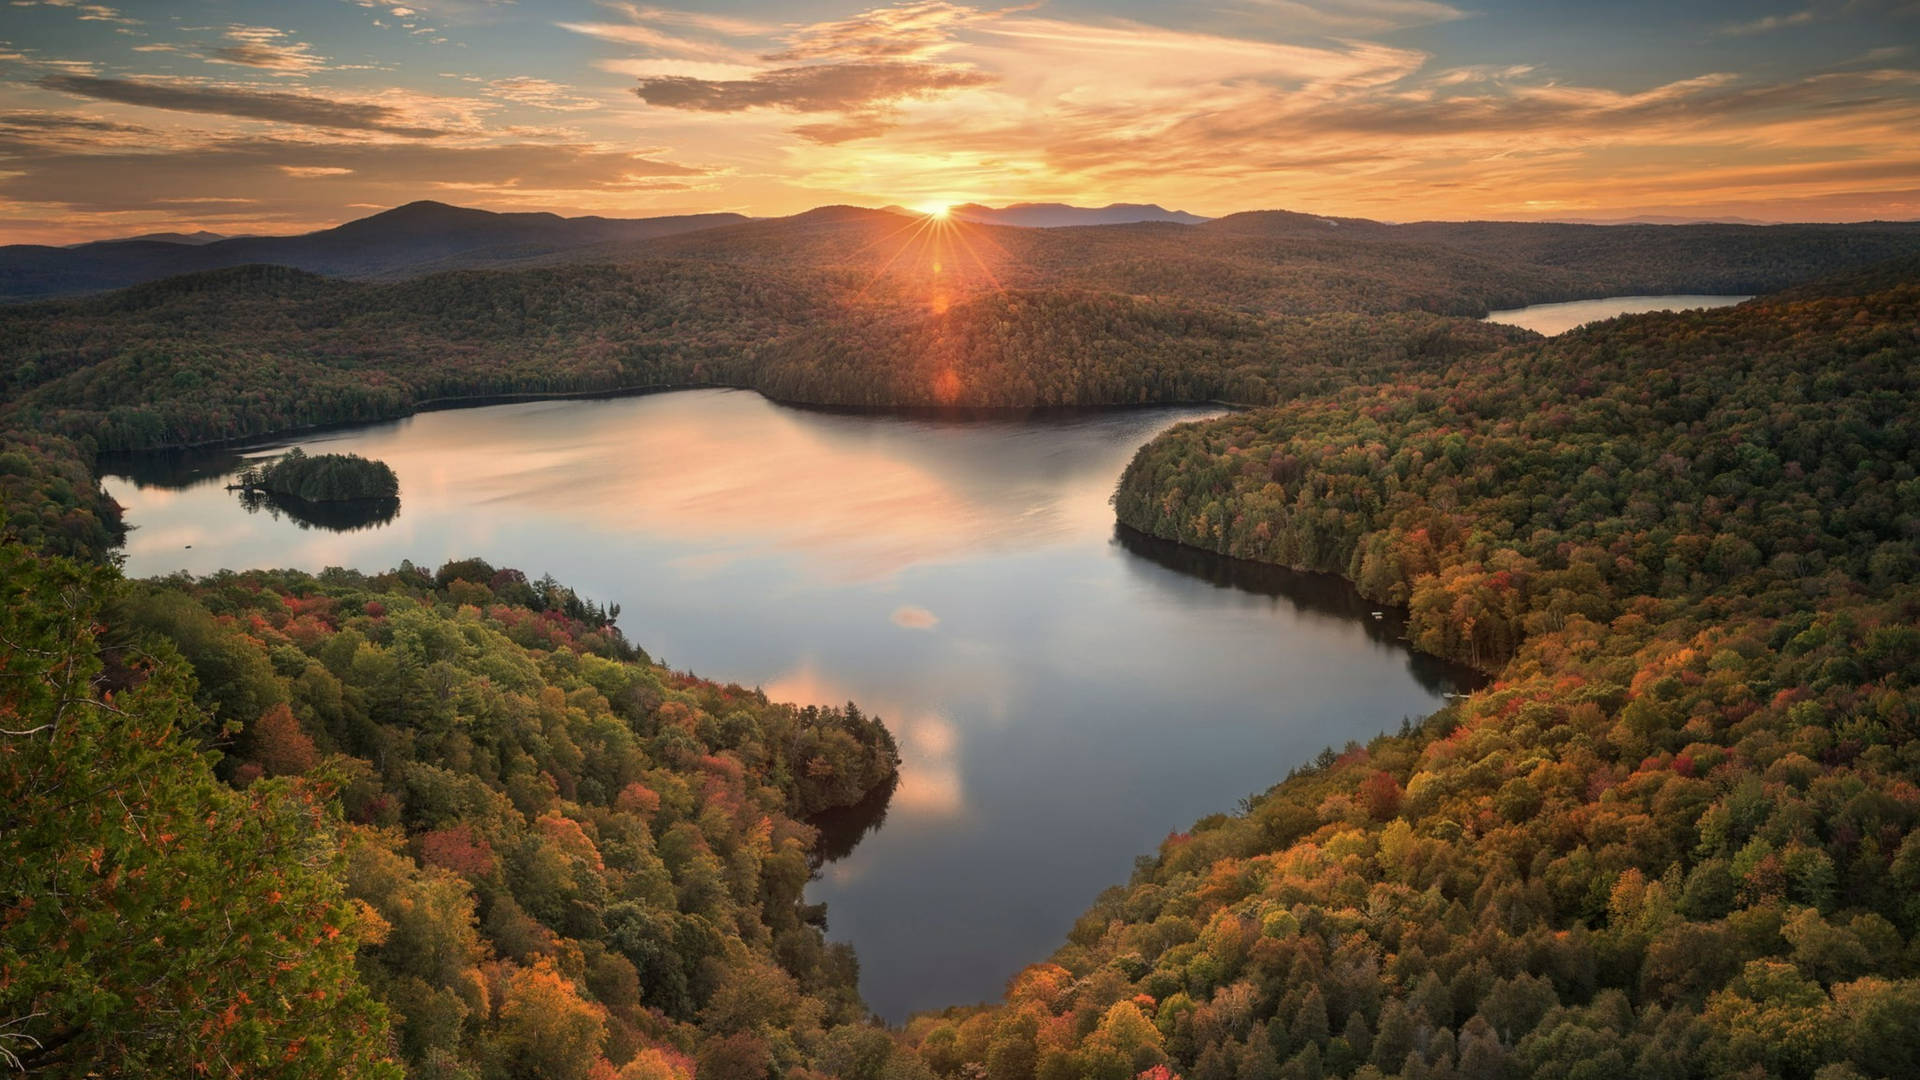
(1677, 837)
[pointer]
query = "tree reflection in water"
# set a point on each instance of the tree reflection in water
(344, 515)
(842, 827)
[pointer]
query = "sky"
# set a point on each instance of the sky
(243, 116)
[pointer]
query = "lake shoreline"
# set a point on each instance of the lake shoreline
(1552, 318)
(1312, 589)
(959, 580)
(452, 402)
(953, 412)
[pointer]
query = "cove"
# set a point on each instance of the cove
(1064, 693)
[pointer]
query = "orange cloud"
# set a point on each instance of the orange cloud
(265, 47)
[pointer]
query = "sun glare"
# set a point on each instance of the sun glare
(939, 210)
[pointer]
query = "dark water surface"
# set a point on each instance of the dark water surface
(1064, 694)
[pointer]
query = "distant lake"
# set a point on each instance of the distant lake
(1064, 695)
(1551, 319)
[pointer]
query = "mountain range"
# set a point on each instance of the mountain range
(416, 238)
(1265, 260)
(1060, 215)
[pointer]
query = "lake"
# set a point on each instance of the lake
(1064, 694)
(1551, 319)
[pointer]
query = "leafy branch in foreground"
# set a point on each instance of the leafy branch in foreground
(153, 920)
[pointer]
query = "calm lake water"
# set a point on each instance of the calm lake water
(1551, 319)
(1064, 695)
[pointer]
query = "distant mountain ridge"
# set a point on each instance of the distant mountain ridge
(192, 238)
(416, 238)
(1256, 257)
(1063, 215)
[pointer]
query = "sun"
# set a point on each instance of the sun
(937, 210)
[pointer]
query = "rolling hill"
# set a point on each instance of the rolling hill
(410, 239)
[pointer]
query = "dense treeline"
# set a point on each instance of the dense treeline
(1277, 262)
(1022, 349)
(1690, 456)
(556, 859)
(1676, 838)
(247, 352)
(322, 477)
(51, 499)
(257, 350)
(830, 307)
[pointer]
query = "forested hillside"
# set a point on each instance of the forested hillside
(846, 307)
(247, 352)
(407, 240)
(450, 822)
(1675, 838)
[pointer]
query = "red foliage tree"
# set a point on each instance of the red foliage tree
(279, 746)
(1380, 793)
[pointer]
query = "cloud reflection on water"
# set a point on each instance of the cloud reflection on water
(931, 786)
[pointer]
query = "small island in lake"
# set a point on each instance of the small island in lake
(321, 478)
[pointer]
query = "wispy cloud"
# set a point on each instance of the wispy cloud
(266, 48)
(83, 11)
(539, 94)
(862, 67)
(726, 25)
(917, 31)
(66, 131)
(849, 87)
(1766, 24)
(256, 171)
(1362, 16)
(280, 107)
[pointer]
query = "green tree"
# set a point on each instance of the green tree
(156, 922)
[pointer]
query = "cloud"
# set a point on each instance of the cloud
(904, 31)
(266, 48)
(1086, 111)
(862, 67)
(1769, 23)
(67, 131)
(1300, 103)
(1824, 11)
(834, 132)
(333, 174)
(912, 617)
(83, 12)
(1363, 16)
(539, 94)
(849, 87)
(661, 41)
(24, 122)
(279, 107)
(726, 25)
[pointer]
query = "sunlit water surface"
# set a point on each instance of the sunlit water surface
(1063, 696)
(1551, 319)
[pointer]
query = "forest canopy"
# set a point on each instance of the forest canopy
(1678, 836)
(474, 831)
(468, 830)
